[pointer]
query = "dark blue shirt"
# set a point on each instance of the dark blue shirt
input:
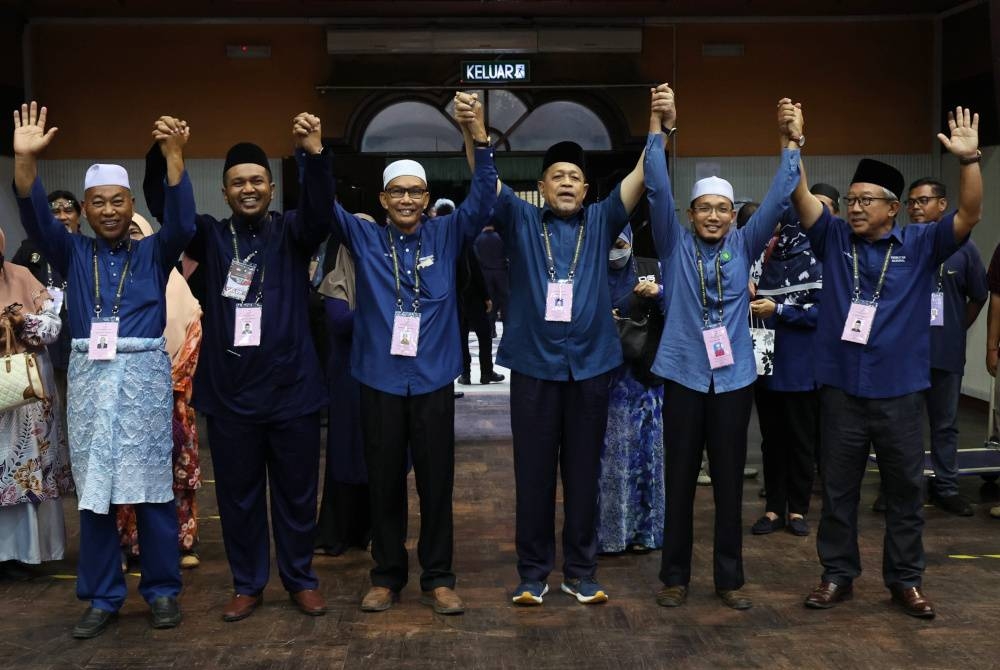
(280, 379)
(896, 360)
(143, 310)
(439, 358)
(587, 345)
(963, 280)
(681, 356)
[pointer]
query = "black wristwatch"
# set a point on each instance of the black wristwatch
(484, 144)
(973, 159)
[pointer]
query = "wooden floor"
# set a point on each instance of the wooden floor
(629, 632)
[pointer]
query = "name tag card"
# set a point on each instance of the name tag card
(103, 344)
(559, 301)
(937, 308)
(57, 297)
(238, 280)
(405, 334)
(720, 354)
(858, 325)
(246, 327)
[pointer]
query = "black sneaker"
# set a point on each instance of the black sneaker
(166, 612)
(92, 623)
(955, 504)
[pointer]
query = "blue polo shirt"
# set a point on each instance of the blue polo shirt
(588, 344)
(438, 242)
(896, 360)
(681, 356)
(963, 280)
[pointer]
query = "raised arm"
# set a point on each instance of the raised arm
(471, 119)
(633, 185)
(314, 218)
(662, 215)
(178, 224)
(30, 140)
(474, 212)
(805, 203)
(964, 143)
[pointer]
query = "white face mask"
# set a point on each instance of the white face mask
(618, 258)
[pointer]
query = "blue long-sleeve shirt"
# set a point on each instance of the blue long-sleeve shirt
(896, 360)
(588, 344)
(439, 358)
(282, 378)
(681, 356)
(143, 311)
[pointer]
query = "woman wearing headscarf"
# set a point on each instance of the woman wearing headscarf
(631, 496)
(34, 457)
(344, 518)
(183, 335)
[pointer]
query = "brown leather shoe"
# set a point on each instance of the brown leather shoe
(378, 599)
(735, 598)
(672, 596)
(443, 600)
(241, 606)
(309, 602)
(912, 600)
(828, 594)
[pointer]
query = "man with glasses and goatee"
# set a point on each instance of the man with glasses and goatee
(406, 355)
(872, 377)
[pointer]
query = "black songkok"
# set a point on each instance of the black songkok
(825, 189)
(565, 152)
(871, 171)
(245, 152)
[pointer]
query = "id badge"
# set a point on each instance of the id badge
(720, 354)
(937, 308)
(238, 280)
(858, 325)
(57, 296)
(246, 328)
(559, 301)
(103, 343)
(405, 334)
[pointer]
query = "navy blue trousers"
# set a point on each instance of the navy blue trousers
(246, 457)
(100, 579)
(557, 425)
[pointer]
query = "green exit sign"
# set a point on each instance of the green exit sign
(495, 71)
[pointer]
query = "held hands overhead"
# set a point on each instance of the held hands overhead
(469, 115)
(308, 133)
(662, 108)
(171, 134)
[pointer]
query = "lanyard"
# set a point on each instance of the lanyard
(701, 279)
(121, 282)
(416, 271)
(548, 252)
(940, 282)
(881, 278)
(236, 255)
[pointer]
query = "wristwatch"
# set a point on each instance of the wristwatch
(972, 159)
(800, 140)
(670, 132)
(482, 144)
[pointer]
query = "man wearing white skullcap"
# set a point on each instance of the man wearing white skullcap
(406, 355)
(261, 388)
(706, 355)
(120, 388)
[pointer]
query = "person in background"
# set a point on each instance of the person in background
(183, 336)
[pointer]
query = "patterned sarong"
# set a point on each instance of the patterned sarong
(120, 439)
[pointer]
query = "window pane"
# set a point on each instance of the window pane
(410, 126)
(557, 121)
(505, 109)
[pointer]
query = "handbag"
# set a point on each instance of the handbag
(763, 347)
(640, 338)
(20, 376)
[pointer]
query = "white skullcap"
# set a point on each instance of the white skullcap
(102, 174)
(403, 168)
(444, 201)
(712, 186)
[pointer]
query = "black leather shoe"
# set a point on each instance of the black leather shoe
(766, 525)
(464, 380)
(954, 504)
(166, 612)
(92, 623)
(491, 377)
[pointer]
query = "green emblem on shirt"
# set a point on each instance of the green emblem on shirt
(726, 256)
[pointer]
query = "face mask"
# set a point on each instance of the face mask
(618, 258)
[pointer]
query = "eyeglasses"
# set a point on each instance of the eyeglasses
(415, 193)
(922, 200)
(64, 206)
(705, 210)
(865, 200)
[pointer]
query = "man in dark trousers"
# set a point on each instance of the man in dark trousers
(475, 308)
(262, 390)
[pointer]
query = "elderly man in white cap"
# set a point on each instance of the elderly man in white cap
(120, 389)
(706, 355)
(406, 354)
